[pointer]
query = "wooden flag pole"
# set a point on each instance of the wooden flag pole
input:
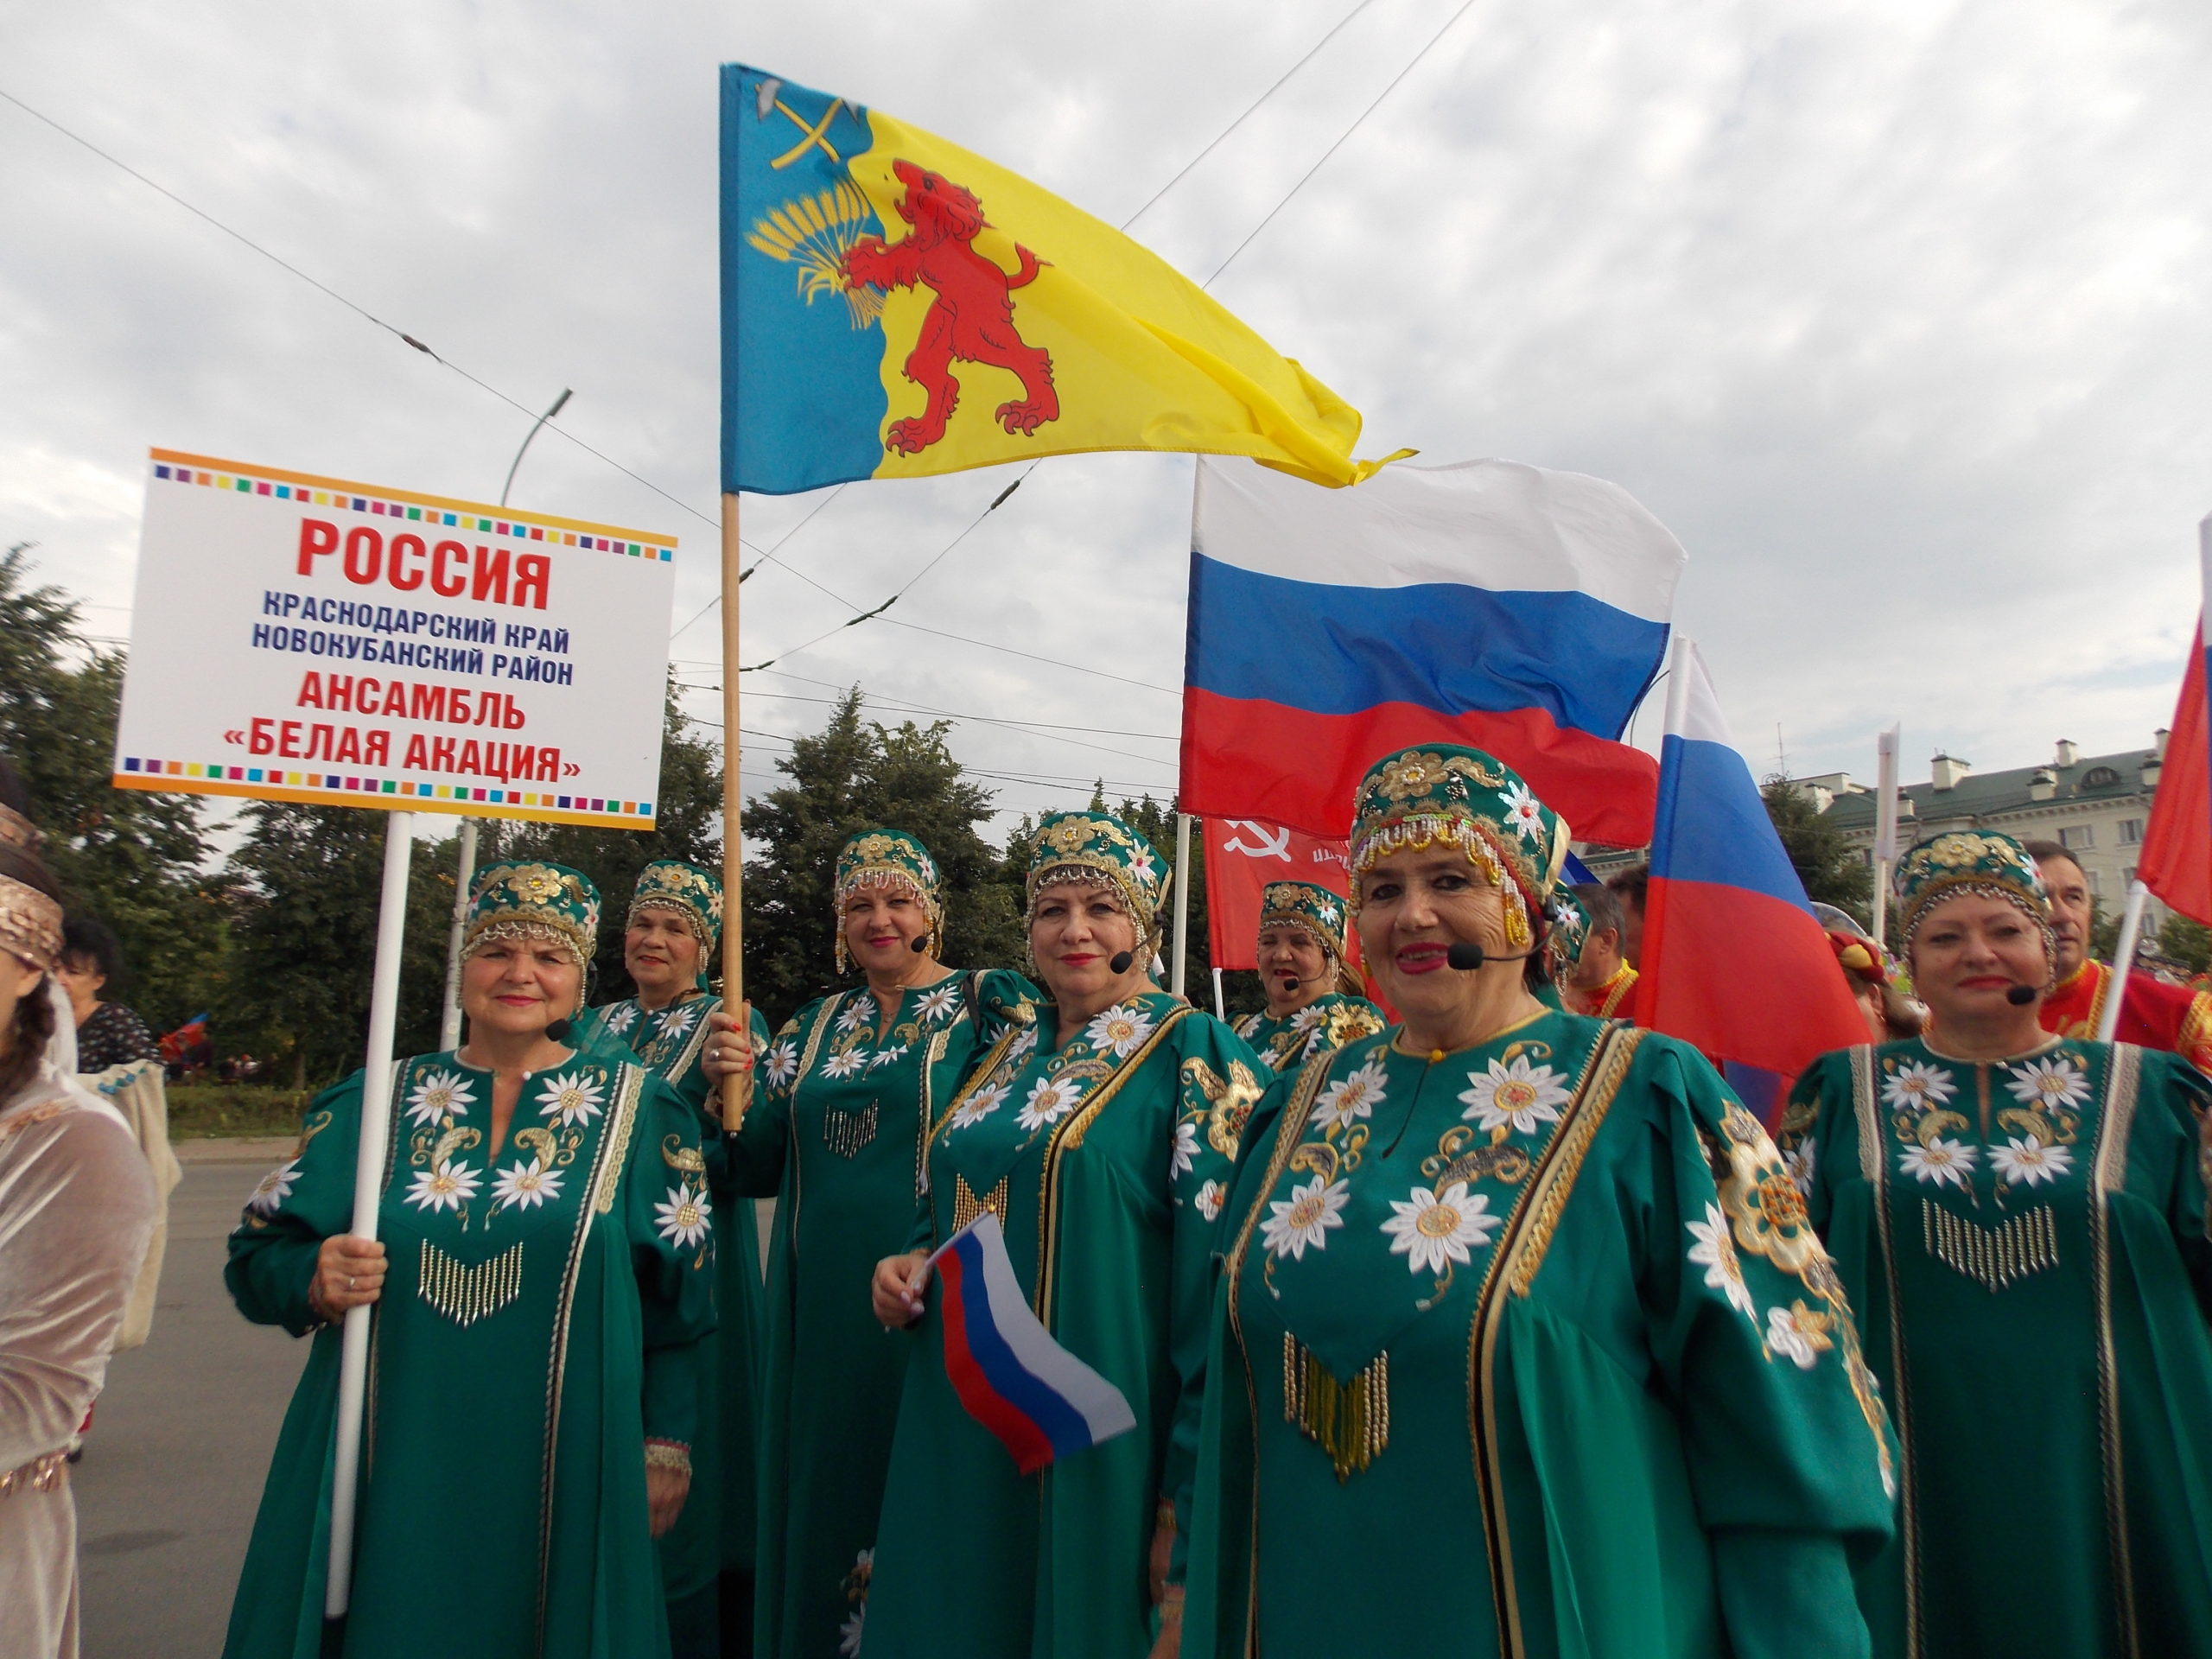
(737, 1089)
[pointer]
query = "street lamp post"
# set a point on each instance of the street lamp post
(450, 1031)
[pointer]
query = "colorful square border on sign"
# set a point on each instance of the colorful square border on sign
(319, 788)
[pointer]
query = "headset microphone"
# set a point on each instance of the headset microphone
(1120, 961)
(921, 944)
(2020, 996)
(558, 1030)
(1467, 957)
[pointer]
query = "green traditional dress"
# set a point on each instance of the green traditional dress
(540, 1321)
(835, 1132)
(1330, 1021)
(1499, 1367)
(1106, 1162)
(714, 1534)
(2027, 1243)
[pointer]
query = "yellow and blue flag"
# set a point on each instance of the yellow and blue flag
(894, 306)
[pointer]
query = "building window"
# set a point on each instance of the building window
(2096, 886)
(2131, 832)
(2079, 837)
(2100, 777)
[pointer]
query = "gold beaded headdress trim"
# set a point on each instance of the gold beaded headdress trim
(19, 832)
(887, 861)
(1099, 850)
(1980, 863)
(685, 890)
(534, 901)
(30, 923)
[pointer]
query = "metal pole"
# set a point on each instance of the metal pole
(1180, 976)
(449, 1026)
(1220, 1008)
(368, 1191)
(737, 1089)
(2123, 960)
(1886, 825)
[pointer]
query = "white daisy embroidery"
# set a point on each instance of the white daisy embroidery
(1209, 1199)
(2052, 1082)
(1119, 1031)
(1715, 1251)
(855, 1015)
(887, 1057)
(571, 1100)
(436, 1094)
(1308, 1017)
(844, 1064)
(525, 1186)
(1798, 1333)
(1800, 1165)
(1187, 1148)
(939, 1003)
(1141, 867)
(1942, 1163)
(1356, 1096)
(1431, 1228)
(621, 1017)
(676, 1021)
(2028, 1162)
(783, 1063)
(1524, 812)
(447, 1187)
(849, 1633)
(1520, 1094)
(683, 1214)
(272, 1189)
(1915, 1086)
(1295, 1223)
(1049, 1100)
(978, 1106)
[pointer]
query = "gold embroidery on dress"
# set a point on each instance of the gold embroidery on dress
(1229, 1101)
(966, 1206)
(847, 1133)
(1995, 1258)
(466, 1293)
(1593, 1100)
(676, 1155)
(1349, 1421)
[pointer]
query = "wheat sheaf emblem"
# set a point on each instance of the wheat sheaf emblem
(815, 234)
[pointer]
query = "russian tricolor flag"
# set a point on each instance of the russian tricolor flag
(1037, 1398)
(1522, 611)
(1734, 962)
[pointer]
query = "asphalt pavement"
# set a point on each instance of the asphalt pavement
(181, 1440)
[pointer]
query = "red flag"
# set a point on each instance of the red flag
(1244, 854)
(2177, 862)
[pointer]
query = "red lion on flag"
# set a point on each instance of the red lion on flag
(972, 320)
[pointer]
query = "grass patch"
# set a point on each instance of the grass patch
(199, 1111)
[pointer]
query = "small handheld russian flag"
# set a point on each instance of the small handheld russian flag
(1036, 1397)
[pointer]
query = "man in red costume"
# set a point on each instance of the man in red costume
(2152, 1014)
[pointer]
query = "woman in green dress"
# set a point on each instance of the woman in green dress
(1102, 1136)
(2021, 1220)
(1522, 1346)
(1313, 1001)
(533, 1382)
(846, 1094)
(675, 923)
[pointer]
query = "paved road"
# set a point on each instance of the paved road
(173, 1469)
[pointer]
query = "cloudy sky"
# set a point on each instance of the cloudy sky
(1895, 313)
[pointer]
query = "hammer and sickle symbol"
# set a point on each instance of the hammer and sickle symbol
(1266, 844)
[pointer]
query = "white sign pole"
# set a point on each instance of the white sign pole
(1220, 1008)
(1886, 825)
(1180, 978)
(368, 1195)
(449, 1027)
(2123, 960)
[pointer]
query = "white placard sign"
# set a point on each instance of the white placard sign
(303, 638)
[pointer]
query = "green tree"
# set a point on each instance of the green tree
(2187, 942)
(1833, 870)
(856, 775)
(131, 858)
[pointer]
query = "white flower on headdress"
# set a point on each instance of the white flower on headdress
(1917, 1086)
(783, 1063)
(621, 1017)
(1524, 812)
(2028, 1162)
(1357, 1096)
(683, 1215)
(1519, 1094)
(1942, 1163)
(1799, 1333)
(1141, 866)
(1430, 1229)
(570, 1100)
(437, 1094)
(525, 1186)
(889, 1057)
(939, 1003)
(1326, 909)
(1300, 1221)
(844, 1064)
(978, 1106)
(1715, 1251)
(1187, 1148)
(1209, 1199)
(271, 1192)
(447, 1187)
(1049, 1100)
(2052, 1082)
(1119, 1031)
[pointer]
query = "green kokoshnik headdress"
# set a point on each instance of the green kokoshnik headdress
(1314, 911)
(690, 891)
(1446, 793)
(1980, 862)
(1098, 849)
(892, 859)
(1570, 930)
(534, 901)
